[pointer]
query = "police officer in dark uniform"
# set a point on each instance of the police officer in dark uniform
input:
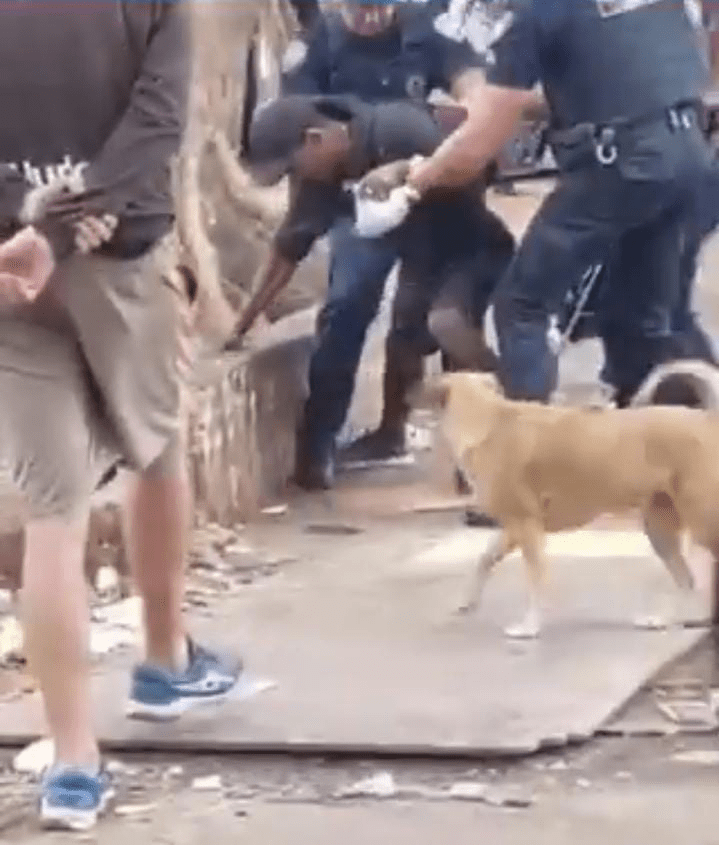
(622, 79)
(453, 250)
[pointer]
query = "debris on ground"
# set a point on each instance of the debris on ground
(135, 810)
(210, 783)
(107, 581)
(337, 529)
(35, 758)
(468, 791)
(116, 626)
(11, 641)
(688, 712)
(698, 757)
(175, 772)
(275, 510)
(380, 785)
(509, 797)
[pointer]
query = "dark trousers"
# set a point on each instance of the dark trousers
(358, 272)
(630, 213)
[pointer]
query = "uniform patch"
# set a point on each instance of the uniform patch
(293, 56)
(478, 22)
(610, 8)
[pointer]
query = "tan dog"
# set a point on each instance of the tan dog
(538, 468)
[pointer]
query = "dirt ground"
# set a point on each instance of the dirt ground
(634, 790)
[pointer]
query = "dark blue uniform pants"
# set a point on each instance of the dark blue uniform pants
(632, 212)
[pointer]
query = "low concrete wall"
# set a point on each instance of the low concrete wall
(243, 418)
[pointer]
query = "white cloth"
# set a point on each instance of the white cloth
(374, 218)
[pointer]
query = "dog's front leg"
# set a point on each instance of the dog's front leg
(499, 547)
(532, 543)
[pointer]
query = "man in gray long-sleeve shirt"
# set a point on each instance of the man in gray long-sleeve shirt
(93, 104)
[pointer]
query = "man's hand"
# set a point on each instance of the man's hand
(26, 264)
(92, 232)
(379, 183)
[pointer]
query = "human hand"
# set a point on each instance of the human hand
(379, 183)
(26, 264)
(92, 232)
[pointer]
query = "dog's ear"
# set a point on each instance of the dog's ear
(430, 395)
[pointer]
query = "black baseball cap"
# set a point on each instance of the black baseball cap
(279, 127)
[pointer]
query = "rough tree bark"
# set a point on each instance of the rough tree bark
(242, 407)
(224, 222)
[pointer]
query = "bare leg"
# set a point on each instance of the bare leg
(532, 543)
(500, 546)
(157, 530)
(57, 632)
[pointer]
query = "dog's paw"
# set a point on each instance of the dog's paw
(652, 622)
(527, 629)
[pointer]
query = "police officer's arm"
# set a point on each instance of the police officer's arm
(313, 209)
(494, 108)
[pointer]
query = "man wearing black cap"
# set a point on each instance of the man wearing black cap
(451, 247)
(378, 52)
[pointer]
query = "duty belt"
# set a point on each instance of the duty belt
(681, 115)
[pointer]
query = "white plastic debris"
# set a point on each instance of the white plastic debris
(468, 791)
(275, 510)
(211, 783)
(35, 758)
(107, 580)
(105, 640)
(558, 766)
(11, 638)
(175, 772)
(134, 810)
(116, 626)
(381, 785)
(6, 601)
(698, 757)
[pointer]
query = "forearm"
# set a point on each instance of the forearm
(492, 116)
(276, 275)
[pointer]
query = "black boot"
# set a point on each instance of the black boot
(404, 368)
(314, 466)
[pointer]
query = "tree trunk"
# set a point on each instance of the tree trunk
(223, 221)
(243, 407)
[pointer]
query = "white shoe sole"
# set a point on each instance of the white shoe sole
(76, 821)
(245, 689)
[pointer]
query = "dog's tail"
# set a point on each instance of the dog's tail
(691, 383)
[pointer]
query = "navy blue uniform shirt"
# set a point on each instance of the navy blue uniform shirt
(408, 60)
(599, 60)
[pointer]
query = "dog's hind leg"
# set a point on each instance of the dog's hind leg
(663, 527)
(499, 547)
(531, 539)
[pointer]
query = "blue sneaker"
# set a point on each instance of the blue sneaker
(159, 695)
(72, 799)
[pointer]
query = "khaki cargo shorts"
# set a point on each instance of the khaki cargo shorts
(89, 377)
